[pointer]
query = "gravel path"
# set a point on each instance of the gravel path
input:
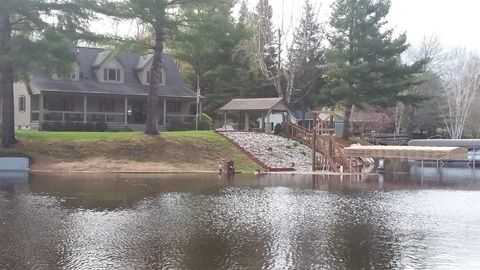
(273, 150)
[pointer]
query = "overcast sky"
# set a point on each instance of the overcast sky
(455, 22)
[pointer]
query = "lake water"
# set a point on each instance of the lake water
(249, 222)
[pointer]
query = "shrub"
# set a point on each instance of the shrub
(303, 153)
(89, 126)
(269, 149)
(79, 127)
(278, 130)
(69, 126)
(177, 125)
(295, 144)
(56, 126)
(101, 126)
(206, 123)
(45, 126)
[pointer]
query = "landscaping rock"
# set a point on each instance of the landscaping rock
(273, 150)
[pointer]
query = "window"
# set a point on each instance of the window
(21, 103)
(111, 74)
(173, 107)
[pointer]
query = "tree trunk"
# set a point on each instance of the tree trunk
(151, 127)
(346, 121)
(410, 117)
(6, 85)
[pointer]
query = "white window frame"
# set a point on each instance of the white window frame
(106, 74)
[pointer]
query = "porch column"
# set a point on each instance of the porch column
(40, 108)
(200, 110)
(225, 121)
(247, 122)
(164, 111)
(126, 111)
(262, 123)
(268, 120)
(85, 109)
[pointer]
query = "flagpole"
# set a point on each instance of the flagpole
(198, 102)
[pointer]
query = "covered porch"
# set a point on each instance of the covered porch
(263, 107)
(116, 111)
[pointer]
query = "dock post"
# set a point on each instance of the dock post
(422, 172)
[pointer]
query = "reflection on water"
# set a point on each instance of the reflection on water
(265, 222)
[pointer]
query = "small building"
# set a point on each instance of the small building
(105, 86)
(266, 108)
(371, 121)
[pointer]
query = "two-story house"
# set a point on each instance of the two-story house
(104, 87)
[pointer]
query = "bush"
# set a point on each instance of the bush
(101, 126)
(177, 125)
(56, 126)
(79, 127)
(206, 123)
(45, 126)
(89, 126)
(69, 126)
(278, 130)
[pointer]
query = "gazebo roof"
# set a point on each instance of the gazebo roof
(257, 104)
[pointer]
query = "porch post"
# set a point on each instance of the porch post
(164, 111)
(225, 121)
(85, 109)
(126, 111)
(247, 122)
(268, 120)
(262, 124)
(40, 107)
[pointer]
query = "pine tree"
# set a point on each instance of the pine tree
(162, 17)
(365, 59)
(306, 56)
(28, 40)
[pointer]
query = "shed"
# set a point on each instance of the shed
(265, 106)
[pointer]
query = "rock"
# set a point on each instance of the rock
(273, 150)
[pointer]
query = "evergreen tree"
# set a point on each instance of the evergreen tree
(29, 40)
(306, 57)
(162, 17)
(365, 59)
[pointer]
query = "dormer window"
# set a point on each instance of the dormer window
(112, 74)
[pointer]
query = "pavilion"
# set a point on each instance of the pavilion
(263, 106)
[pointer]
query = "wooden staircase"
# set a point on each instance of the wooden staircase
(332, 157)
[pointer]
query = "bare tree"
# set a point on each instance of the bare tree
(431, 49)
(287, 70)
(462, 82)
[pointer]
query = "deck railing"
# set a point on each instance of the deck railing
(332, 157)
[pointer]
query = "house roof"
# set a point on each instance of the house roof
(87, 58)
(309, 116)
(257, 104)
(370, 117)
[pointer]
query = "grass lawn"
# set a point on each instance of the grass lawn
(204, 150)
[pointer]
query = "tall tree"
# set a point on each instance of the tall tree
(365, 59)
(35, 34)
(462, 83)
(205, 40)
(306, 57)
(162, 17)
(408, 118)
(292, 68)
